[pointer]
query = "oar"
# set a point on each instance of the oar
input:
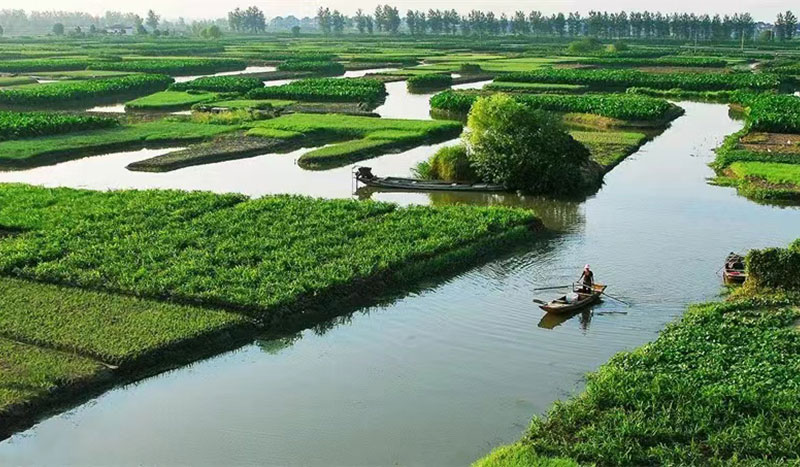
(554, 287)
(614, 298)
(539, 302)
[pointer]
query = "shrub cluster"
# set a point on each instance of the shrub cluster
(173, 66)
(63, 92)
(625, 107)
(777, 113)
(620, 79)
(429, 81)
(219, 84)
(43, 64)
(365, 90)
(14, 125)
(327, 68)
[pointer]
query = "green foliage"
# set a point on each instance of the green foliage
(326, 68)
(30, 373)
(584, 46)
(173, 66)
(365, 90)
(449, 163)
(669, 61)
(273, 257)
(608, 148)
(524, 149)
(777, 268)
(535, 87)
(777, 113)
(44, 64)
(429, 81)
(718, 388)
(621, 79)
(71, 91)
(624, 107)
(14, 125)
(16, 80)
(520, 455)
(219, 84)
(113, 328)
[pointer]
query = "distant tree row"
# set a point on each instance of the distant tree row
(686, 26)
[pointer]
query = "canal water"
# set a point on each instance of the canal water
(445, 373)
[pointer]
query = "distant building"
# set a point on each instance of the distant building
(120, 29)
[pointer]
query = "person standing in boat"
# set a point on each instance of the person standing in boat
(587, 280)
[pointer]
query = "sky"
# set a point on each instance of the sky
(763, 10)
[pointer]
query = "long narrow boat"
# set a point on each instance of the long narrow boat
(734, 271)
(413, 184)
(582, 300)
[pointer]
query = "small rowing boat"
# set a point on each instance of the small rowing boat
(734, 271)
(365, 176)
(576, 301)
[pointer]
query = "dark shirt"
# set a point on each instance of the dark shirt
(587, 278)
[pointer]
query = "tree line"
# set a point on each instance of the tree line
(639, 25)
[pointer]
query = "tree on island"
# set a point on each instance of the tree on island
(524, 149)
(58, 29)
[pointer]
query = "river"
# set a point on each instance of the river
(445, 373)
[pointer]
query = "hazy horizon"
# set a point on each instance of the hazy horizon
(205, 9)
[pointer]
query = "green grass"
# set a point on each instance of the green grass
(15, 80)
(251, 103)
(771, 172)
(720, 387)
(37, 151)
(113, 328)
(609, 148)
(15, 125)
(83, 92)
(28, 373)
(170, 100)
(82, 74)
(535, 87)
(520, 455)
(273, 258)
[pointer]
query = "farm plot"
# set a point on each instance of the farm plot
(82, 92)
(368, 91)
(272, 258)
(15, 125)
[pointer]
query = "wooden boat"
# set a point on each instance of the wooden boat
(734, 271)
(365, 176)
(582, 300)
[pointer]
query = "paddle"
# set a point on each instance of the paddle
(551, 288)
(614, 298)
(539, 302)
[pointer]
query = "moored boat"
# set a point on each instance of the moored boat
(365, 176)
(734, 271)
(576, 301)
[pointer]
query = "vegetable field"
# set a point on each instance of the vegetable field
(15, 125)
(369, 91)
(172, 66)
(70, 92)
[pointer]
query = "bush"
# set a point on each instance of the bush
(449, 163)
(470, 68)
(327, 68)
(524, 149)
(428, 82)
(589, 45)
(774, 267)
(219, 84)
(777, 113)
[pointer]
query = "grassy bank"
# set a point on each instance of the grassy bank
(82, 92)
(45, 150)
(166, 101)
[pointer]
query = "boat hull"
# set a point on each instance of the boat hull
(586, 299)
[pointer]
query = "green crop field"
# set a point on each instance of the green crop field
(16, 125)
(219, 84)
(269, 258)
(172, 66)
(325, 90)
(170, 100)
(71, 92)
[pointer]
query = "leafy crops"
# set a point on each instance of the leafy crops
(43, 64)
(327, 68)
(14, 125)
(700, 62)
(777, 268)
(721, 387)
(170, 100)
(219, 84)
(778, 113)
(625, 107)
(187, 66)
(603, 79)
(429, 81)
(271, 257)
(325, 90)
(60, 93)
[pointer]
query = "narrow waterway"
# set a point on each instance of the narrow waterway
(445, 373)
